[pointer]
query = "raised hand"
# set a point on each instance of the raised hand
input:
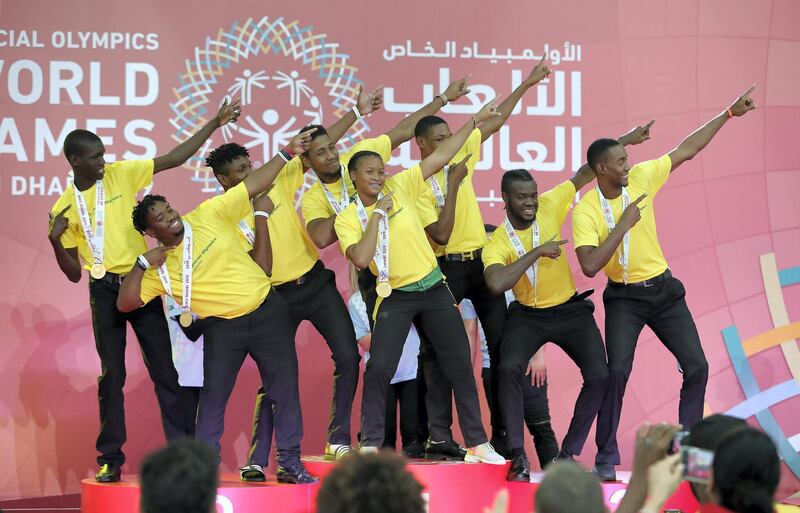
(263, 203)
(652, 442)
(457, 172)
(58, 224)
(744, 103)
(487, 112)
(551, 249)
(457, 89)
(385, 203)
(301, 142)
(367, 103)
(158, 255)
(632, 214)
(638, 135)
(229, 113)
(539, 72)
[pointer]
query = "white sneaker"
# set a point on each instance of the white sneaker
(368, 450)
(484, 453)
(336, 451)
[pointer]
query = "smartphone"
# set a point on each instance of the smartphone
(697, 464)
(676, 442)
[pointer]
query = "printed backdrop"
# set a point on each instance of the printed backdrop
(144, 77)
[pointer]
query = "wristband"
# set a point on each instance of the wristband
(443, 98)
(286, 154)
(379, 211)
(356, 112)
(261, 213)
(142, 263)
(730, 114)
(474, 122)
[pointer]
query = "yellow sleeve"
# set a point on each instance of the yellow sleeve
(232, 206)
(137, 173)
(410, 182)
(584, 226)
(151, 286)
(652, 174)
(291, 176)
(558, 200)
(348, 228)
(496, 251)
(382, 145)
(69, 238)
(426, 208)
(315, 205)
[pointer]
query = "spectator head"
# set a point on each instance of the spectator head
(706, 434)
(569, 488)
(366, 483)
(179, 478)
(746, 472)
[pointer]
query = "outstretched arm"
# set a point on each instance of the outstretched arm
(228, 113)
(698, 139)
(500, 278)
(67, 258)
(366, 103)
(405, 129)
(594, 258)
(434, 162)
(260, 179)
(507, 107)
(637, 135)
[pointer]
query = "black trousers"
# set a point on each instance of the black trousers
(663, 308)
(403, 395)
(571, 326)
(466, 281)
(536, 411)
(436, 313)
(266, 335)
(317, 300)
(150, 326)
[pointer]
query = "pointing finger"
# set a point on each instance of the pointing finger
(639, 199)
(562, 242)
(648, 125)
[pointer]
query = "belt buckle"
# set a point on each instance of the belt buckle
(647, 283)
(301, 280)
(467, 255)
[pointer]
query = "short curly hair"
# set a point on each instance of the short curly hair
(139, 214)
(224, 154)
(365, 483)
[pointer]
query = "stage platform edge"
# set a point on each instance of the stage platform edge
(450, 487)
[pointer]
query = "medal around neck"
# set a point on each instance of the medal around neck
(98, 271)
(186, 319)
(384, 289)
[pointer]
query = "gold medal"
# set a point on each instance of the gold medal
(98, 271)
(186, 319)
(383, 288)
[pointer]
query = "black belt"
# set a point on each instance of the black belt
(304, 278)
(114, 279)
(463, 257)
(646, 283)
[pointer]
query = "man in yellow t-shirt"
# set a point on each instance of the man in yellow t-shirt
(108, 191)
(460, 258)
(615, 230)
(382, 230)
(201, 263)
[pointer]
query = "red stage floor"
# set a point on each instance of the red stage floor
(449, 488)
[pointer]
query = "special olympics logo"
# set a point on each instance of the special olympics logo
(287, 76)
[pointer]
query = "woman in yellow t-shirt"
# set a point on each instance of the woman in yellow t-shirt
(381, 229)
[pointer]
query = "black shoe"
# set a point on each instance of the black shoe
(446, 450)
(564, 456)
(414, 450)
(296, 474)
(108, 473)
(520, 469)
(605, 471)
(252, 474)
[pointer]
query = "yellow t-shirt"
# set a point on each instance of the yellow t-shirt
(226, 282)
(293, 253)
(589, 227)
(315, 204)
(121, 182)
(555, 283)
(469, 233)
(410, 256)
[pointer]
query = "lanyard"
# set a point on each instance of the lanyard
(338, 206)
(608, 214)
(381, 257)
(516, 243)
(438, 193)
(93, 237)
(186, 270)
